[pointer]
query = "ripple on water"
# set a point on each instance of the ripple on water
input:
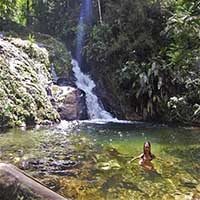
(81, 162)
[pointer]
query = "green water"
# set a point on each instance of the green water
(101, 154)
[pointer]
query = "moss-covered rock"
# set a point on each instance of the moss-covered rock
(23, 77)
(58, 54)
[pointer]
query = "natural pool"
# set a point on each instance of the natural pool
(90, 161)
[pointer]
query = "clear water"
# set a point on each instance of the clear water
(102, 152)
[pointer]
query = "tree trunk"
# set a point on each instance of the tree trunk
(100, 13)
(16, 184)
(28, 12)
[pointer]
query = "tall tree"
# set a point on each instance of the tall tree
(100, 13)
(28, 12)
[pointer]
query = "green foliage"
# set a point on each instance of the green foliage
(129, 28)
(147, 85)
(56, 17)
(182, 54)
(124, 46)
(133, 26)
(31, 38)
(98, 46)
(149, 50)
(14, 10)
(7, 8)
(182, 29)
(152, 51)
(186, 108)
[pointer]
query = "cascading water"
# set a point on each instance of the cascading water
(83, 81)
(85, 19)
(53, 73)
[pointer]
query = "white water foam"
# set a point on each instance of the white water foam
(70, 125)
(85, 83)
(105, 121)
(53, 73)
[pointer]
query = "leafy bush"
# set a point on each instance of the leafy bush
(7, 8)
(183, 51)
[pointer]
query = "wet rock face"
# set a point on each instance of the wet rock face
(65, 82)
(26, 96)
(69, 102)
(82, 107)
(73, 106)
(23, 76)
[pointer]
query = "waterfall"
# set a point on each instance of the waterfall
(53, 73)
(85, 83)
(84, 20)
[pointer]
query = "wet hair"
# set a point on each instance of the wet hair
(147, 142)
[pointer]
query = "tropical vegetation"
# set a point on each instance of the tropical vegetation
(145, 52)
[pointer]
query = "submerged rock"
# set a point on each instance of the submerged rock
(112, 164)
(188, 196)
(168, 197)
(187, 180)
(198, 187)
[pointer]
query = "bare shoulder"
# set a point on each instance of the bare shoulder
(141, 155)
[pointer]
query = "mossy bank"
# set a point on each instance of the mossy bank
(24, 76)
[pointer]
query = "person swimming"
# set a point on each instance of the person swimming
(146, 157)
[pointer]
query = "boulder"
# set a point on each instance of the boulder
(69, 102)
(23, 77)
(62, 81)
